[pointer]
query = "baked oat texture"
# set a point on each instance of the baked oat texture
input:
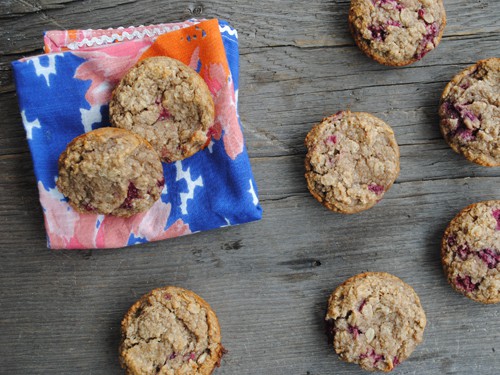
(397, 32)
(170, 331)
(470, 252)
(376, 320)
(470, 113)
(110, 171)
(167, 103)
(352, 160)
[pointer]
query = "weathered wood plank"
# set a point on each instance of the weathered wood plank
(267, 281)
(273, 324)
(288, 90)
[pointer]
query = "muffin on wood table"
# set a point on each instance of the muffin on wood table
(170, 331)
(352, 160)
(397, 32)
(470, 113)
(167, 103)
(375, 320)
(110, 171)
(470, 252)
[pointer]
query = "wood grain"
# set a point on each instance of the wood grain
(267, 281)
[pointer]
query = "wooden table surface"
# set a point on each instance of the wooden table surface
(268, 281)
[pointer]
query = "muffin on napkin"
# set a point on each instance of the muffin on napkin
(66, 93)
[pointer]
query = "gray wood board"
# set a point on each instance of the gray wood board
(268, 281)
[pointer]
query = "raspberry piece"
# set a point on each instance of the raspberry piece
(374, 356)
(377, 189)
(132, 194)
(331, 139)
(466, 283)
(164, 113)
(432, 32)
(378, 32)
(452, 240)
(450, 110)
(496, 215)
(394, 23)
(490, 257)
(353, 330)
(457, 111)
(463, 251)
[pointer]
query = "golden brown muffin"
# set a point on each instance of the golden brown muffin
(110, 171)
(375, 320)
(397, 32)
(352, 160)
(170, 331)
(168, 104)
(470, 252)
(470, 113)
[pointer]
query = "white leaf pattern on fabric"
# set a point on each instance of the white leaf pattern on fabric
(165, 190)
(252, 192)
(210, 146)
(90, 116)
(191, 185)
(46, 71)
(29, 125)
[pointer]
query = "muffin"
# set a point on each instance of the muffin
(394, 32)
(470, 113)
(110, 171)
(352, 160)
(170, 331)
(470, 252)
(375, 320)
(168, 104)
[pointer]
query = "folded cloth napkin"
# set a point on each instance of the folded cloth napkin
(66, 92)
